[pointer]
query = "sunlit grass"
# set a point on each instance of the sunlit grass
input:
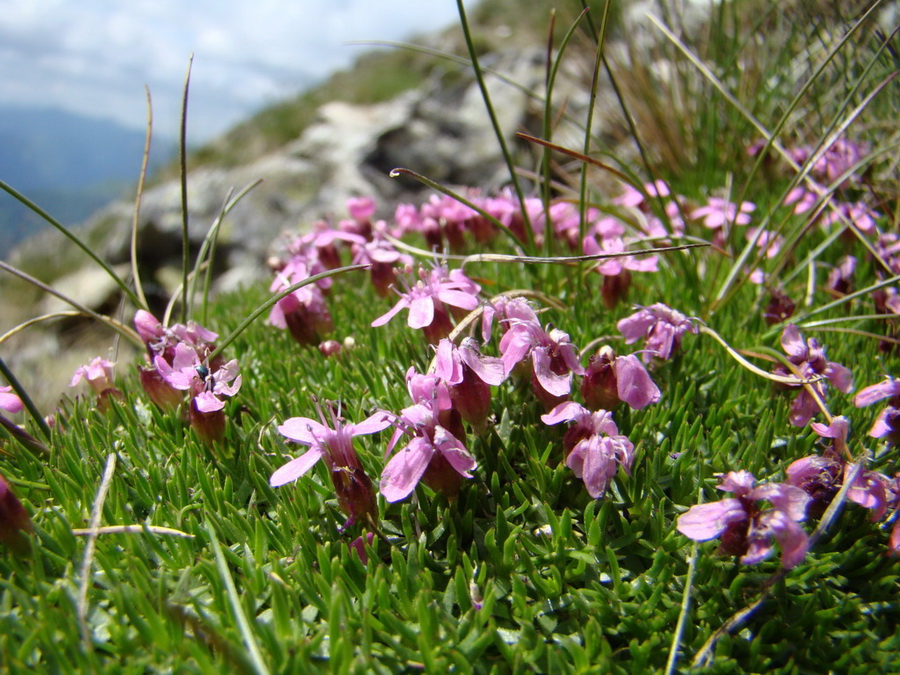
(524, 571)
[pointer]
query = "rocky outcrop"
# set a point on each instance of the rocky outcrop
(440, 130)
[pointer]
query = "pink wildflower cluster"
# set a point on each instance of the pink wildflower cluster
(746, 526)
(430, 443)
(431, 301)
(808, 359)
(837, 161)
(445, 223)
(435, 451)
(821, 477)
(304, 312)
(179, 362)
(660, 326)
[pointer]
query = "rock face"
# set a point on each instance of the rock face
(440, 130)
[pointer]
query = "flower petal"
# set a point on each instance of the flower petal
(707, 521)
(304, 430)
(633, 383)
(790, 536)
(421, 312)
(556, 385)
(404, 471)
(296, 467)
(373, 424)
(454, 451)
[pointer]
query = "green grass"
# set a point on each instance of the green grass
(524, 572)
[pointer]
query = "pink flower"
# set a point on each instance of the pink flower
(820, 476)
(809, 359)
(161, 342)
(188, 373)
(433, 455)
(334, 445)
(469, 376)
(838, 159)
(427, 301)
(382, 259)
(840, 278)
(661, 327)
(720, 212)
(634, 198)
(98, 374)
(319, 245)
(610, 379)
(887, 424)
(615, 271)
(9, 401)
(860, 214)
(361, 209)
(804, 199)
(746, 529)
(553, 357)
(594, 447)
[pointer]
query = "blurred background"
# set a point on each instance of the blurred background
(73, 107)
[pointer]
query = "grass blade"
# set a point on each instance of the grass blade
(256, 659)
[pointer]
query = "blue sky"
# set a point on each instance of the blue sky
(95, 56)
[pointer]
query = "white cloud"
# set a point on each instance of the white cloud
(95, 56)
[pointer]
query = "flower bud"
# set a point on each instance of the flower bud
(160, 392)
(14, 520)
(598, 388)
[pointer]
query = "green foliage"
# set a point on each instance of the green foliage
(523, 571)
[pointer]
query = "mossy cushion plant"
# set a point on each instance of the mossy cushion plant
(577, 428)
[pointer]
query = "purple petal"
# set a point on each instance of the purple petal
(296, 467)
(207, 402)
(599, 467)
(513, 350)
(454, 452)
(304, 430)
(556, 385)
(148, 326)
(371, 425)
(884, 423)
(421, 312)
(489, 369)
(448, 362)
(634, 327)
(459, 299)
(707, 521)
(391, 313)
(839, 376)
(738, 482)
(790, 536)
(567, 411)
(9, 401)
(787, 498)
(792, 343)
(404, 471)
(634, 384)
(877, 392)
(177, 378)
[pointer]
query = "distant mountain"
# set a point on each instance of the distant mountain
(68, 164)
